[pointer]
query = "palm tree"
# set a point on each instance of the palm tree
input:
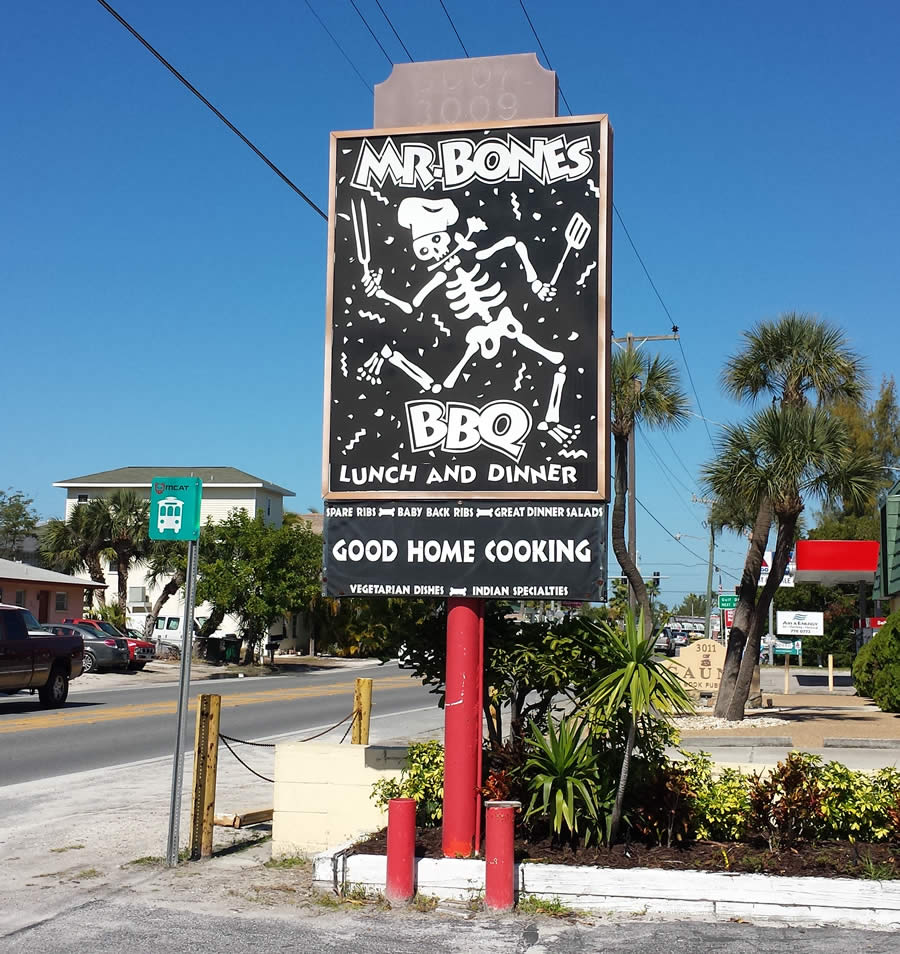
(166, 560)
(644, 389)
(786, 360)
(121, 521)
(634, 677)
(779, 459)
(72, 545)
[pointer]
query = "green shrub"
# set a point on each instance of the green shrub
(887, 688)
(422, 779)
(786, 804)
(721, 804)
(565, 778)
(875, 667)
(858, 805)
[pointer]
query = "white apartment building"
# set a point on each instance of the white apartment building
(224, 489)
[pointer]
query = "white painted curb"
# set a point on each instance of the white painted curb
(838, 901)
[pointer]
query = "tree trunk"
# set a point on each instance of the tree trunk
(95, 570)
(616, 820)
(620, 444)
(122, 565)
(780, 559)
(169, 590)
(745, 611)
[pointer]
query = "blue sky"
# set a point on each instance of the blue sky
(163, 292)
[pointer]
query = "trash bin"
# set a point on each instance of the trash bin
(214, 649)
(231, 647)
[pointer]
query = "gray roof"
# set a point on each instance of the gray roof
(142, 477)
(25, 573)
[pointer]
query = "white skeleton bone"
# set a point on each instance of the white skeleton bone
(556, 391)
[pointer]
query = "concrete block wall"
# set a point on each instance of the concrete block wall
(322, 793)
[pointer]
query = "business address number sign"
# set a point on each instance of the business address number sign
(466, 356)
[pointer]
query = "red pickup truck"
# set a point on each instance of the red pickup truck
(32, 658)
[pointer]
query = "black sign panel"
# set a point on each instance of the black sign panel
(508, 549)
(468, 313)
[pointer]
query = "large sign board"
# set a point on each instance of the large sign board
(518, 550)
(468, 312)
(175, 508)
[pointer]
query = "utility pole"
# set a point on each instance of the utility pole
(629, 341)
(712, 560)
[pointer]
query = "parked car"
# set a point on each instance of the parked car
(665, 642)
(101, 651)
(681, 637)
(140, 651)
(33, 658)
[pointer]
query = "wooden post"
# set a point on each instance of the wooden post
(830, 673)
(362, 708)
(206, 760)
(787, 674)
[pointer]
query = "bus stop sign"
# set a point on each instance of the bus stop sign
(175, 508)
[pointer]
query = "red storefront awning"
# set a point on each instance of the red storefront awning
(836, 561)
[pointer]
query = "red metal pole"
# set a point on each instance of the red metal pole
(479, 735)
(462, 714)
(499, 855)
(401, 849)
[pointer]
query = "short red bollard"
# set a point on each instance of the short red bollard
(499, 858)
(401, 849)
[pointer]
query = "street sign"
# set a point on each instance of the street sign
(175, 508)
(523, 550)
(728, 620)
(728, 601)
(788, 647)
(797, 623)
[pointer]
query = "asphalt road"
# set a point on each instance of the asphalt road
(104, 928)
(103, 728)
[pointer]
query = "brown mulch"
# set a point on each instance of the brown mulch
(833, 859)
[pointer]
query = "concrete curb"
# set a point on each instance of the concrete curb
(835, 901)
(861, 743)
(738, 741)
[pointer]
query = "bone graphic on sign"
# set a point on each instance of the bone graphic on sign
(422, 378)
(386, 511)
(556, 391)
(577, 232)
(566, 437)
(484, 511)
(363, 254)
(370, 370)
(457, 591)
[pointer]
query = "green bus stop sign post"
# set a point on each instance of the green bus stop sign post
(175, 515)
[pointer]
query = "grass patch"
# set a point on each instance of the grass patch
(877, 870)
(87, 874)
(149, 861)
(328, 900)
(291, 861)
(424, 903)
(551, 907)
(59, 851)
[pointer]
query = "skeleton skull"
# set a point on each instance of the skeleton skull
(433, 246)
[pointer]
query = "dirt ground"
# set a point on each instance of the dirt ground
(811, 718)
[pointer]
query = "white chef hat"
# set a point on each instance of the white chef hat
(425, 216)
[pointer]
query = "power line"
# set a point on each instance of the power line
(666, 474)
(687, 368)
(672, 535)
(396, 34)
(210, 106)
(452, 24)
(364, 81)
(546, 58)
(677, 457)
(371, 31)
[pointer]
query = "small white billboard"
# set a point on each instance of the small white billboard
(800, 623)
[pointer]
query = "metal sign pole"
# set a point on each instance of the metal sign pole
(190, 585)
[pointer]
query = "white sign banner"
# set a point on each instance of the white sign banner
(787, 579)
(797, 623)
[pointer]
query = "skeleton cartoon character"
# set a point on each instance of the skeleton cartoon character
(470, 292)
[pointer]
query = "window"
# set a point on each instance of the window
(20, 597)
(62, 601)
(82, 498)
(137, 594)
(160, 622)
(173, 623)
(12, 626)
(268, 506)
(112, 568)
